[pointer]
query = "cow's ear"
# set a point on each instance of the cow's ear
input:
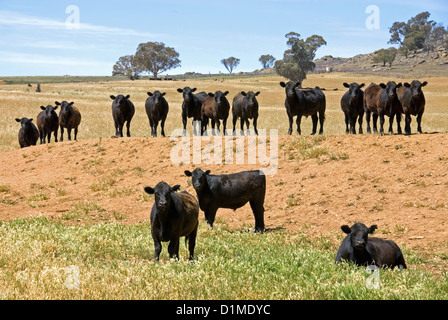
(346, 85)
(373, 228)
(55, 108)
(175, 188)
(243, 93)
(149, 190)
(194, 89)
(211, 94)
(298, 84)
(282, 84)
(127, 97)
(399, 85)
(407, 85)
(31, 119)
(71, 103)
(346, 229)
(180, 90)
(18, 120)
(362, 85)
(113, 97)
(163, 94)
(42, 107)
(257, 93)
(207, 172)
(382, 85)
(188, 173)
(424, 83)
(149, 94)
(226, 93)
(57, 103)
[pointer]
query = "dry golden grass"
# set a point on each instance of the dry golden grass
(92, 98)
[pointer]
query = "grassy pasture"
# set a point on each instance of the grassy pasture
(92, 98)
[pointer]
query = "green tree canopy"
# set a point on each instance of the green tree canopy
(267, 61)
(155, 57)
(127, 66)
(385, 56)
(230, 63)
(298, 59)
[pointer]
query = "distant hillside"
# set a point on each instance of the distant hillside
(418, 63)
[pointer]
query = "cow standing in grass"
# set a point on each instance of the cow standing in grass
(230, 191)
(413, 103)
(157, 110)
(123, 111)
(28, 133)
(381, 100)
(215, 107)
(191, 107)
(304, 102)
(363, 250)
(48, 123)
(69, 118)
(245, 106)
(173, 215)
(352, 104)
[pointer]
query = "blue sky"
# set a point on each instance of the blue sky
(35, 39)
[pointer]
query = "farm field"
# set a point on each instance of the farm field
(93, 189)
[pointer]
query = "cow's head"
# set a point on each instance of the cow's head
(359, 234)
(219, 96)
(156, 96)
(162, 193)
(251, 98)
(198, 177)
(187, 93)
(24, 122)
(121, 100)
(391, 88)
(66, 109)
(290, 88)
(416, 87)
(50, 111)
(353, 88)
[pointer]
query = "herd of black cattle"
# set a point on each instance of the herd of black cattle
(175, 214)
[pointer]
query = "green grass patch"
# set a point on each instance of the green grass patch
(43, 259)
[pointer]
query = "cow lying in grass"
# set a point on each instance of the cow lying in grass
(363, 250)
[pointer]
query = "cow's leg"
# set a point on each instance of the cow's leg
(48, 137)
(407, 126)
(353, 124)
(255, 125)
(399, 123)
(234, 120)
(347, 121)
(315, 119)
(128, 128)
(192, 242)
(224, 126)
(247, 126)
(290, 124)
(157, 249)
(258, 211)
(156, 125)
(368, 113)
(62, 134)
(163, 127)
(210, 215)
(56, 136)
(321, 121)
(298, 121)
(382, 124)
(69, 133)
(419, 122)
(360, 116)
(391, 122)
(76, 134)
(375, 121)
(173, 248)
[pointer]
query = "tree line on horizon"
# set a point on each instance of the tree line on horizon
(417, 33)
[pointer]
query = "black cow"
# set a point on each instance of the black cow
(123, 111)
(69, 118)
(48, 122)
(191, 106)
(215, 107)
(173, 215)
(382, 100)
(352, 104)
(304, 102)
(28, 133)
(363, 250)
(245, 106)
(230, 191)
(157, 110)
(412, 102)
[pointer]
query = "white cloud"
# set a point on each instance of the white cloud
(14, 19)
(36, 59)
